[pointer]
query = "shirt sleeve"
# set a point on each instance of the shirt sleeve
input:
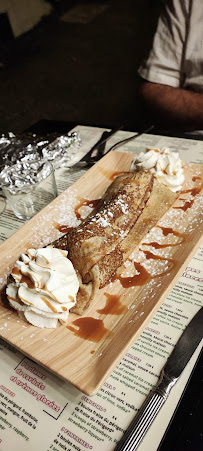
(164, 63)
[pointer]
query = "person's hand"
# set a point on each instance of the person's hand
(170, 107)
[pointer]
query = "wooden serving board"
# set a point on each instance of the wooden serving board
(86, 363)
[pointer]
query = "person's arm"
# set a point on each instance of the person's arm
(170, 107)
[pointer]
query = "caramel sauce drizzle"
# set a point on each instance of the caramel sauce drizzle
(111, 175)
(193, 191)
(85, 202)
(113, 305)
(28, 281)
(139, 279)
(62, 252)
(24, 279)
(160, 246)
(155, 150)
(53, 309)
(71, 298)
(167, 230)
(63, 228)
(18, 301)
(149, 255)
(89, 328)
(196, 177)
(16, 271)
(134, 281)
(143, 275)
(187, 204)
(116, 174)
(26, 302)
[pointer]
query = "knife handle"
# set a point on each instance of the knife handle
(146, 415)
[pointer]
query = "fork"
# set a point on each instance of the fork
(90, 158)
(97, 151)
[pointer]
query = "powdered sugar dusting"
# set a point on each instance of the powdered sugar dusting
(45, 230)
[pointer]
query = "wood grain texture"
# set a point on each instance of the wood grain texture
(86, 364)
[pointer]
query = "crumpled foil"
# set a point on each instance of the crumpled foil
(24, 174)
(59, 151)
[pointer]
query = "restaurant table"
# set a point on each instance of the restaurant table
(177, 426)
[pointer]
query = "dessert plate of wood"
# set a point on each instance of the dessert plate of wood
(86, 349)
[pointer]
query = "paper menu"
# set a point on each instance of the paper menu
(40, 411)
(33, 400)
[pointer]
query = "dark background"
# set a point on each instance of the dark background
(84, 71)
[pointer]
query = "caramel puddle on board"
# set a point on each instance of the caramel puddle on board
(113, 305)
(134, 281)
(143, 275)
(111, 175)
(89, 328)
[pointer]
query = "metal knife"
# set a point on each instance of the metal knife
(169, 375)
(88, 159)
(100, 144)
(126, 140)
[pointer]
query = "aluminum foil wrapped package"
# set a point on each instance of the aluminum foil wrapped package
(59, 150)
(21, 176)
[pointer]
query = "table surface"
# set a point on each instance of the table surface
(184, 430)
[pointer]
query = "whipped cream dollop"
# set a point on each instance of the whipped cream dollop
(44, 288)
(164, 164)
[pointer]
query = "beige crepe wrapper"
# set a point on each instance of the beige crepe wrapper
(130, 207)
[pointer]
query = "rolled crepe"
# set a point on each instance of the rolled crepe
(131, 206)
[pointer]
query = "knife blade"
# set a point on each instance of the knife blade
(169, 375)
(126, 140)
(88, 159)
(106, 135)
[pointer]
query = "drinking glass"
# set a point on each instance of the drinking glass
(28, 186)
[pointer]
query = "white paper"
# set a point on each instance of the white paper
(40, 411)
